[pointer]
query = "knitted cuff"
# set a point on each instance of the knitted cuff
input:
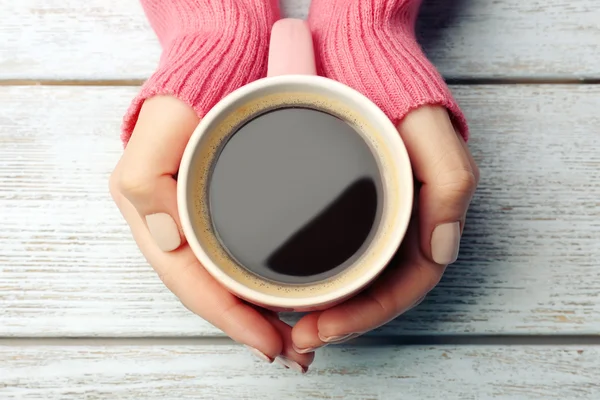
(209, 51)
(371, 46)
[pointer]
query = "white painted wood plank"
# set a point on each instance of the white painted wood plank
(512, 38)
(110, 39)
(230, 372)
(531, 251)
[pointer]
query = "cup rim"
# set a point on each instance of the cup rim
(392, 242)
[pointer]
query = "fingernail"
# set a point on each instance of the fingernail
(164, 231)
(335, 339)
(307, 350)
(287, 363)
(445, 243)
(417, 303)
(262, 356)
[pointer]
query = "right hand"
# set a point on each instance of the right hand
(143, 185)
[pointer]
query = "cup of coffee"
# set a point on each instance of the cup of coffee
(295, 191)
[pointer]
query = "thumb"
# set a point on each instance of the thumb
(147, 171)
(448, 177)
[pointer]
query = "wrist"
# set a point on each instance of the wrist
(370, 45)
(374, 15)
(176, 18)
(218, 49)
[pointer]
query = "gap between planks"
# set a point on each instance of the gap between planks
(449, 81)
(379, 341)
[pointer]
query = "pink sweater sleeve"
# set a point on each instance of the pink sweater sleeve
(371, 46)
(210, 48)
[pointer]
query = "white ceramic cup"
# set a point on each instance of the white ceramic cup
(292, 82)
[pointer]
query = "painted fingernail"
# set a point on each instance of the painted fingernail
(335, 339)
(307, 350)
(164, 231)
(291, 364)
(445, 243)
(417, 303)
(262, 356)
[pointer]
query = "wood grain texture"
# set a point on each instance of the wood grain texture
(230, 372)
(111, 39)
(530, 256)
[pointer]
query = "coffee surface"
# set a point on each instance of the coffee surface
(295, 195)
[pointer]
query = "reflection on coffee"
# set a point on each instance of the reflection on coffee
(295, 195)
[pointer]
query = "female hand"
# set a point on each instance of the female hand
(203, 60)
(388, 66)
(143, 186)
(447, 177)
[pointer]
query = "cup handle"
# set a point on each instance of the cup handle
(291, 50)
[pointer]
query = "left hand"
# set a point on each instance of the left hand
(446, 176)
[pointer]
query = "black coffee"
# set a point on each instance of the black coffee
(295, 195)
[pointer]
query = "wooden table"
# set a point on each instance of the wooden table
(82, 316)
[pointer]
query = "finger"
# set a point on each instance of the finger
(476, 172)
(289, 357)
(443, 167)
(306, 335)
(201, 293)
(403, 284)
(150, 162)
(472, 162)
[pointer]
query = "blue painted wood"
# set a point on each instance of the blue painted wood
(529, 261)
(228, 372)
(111, 39)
